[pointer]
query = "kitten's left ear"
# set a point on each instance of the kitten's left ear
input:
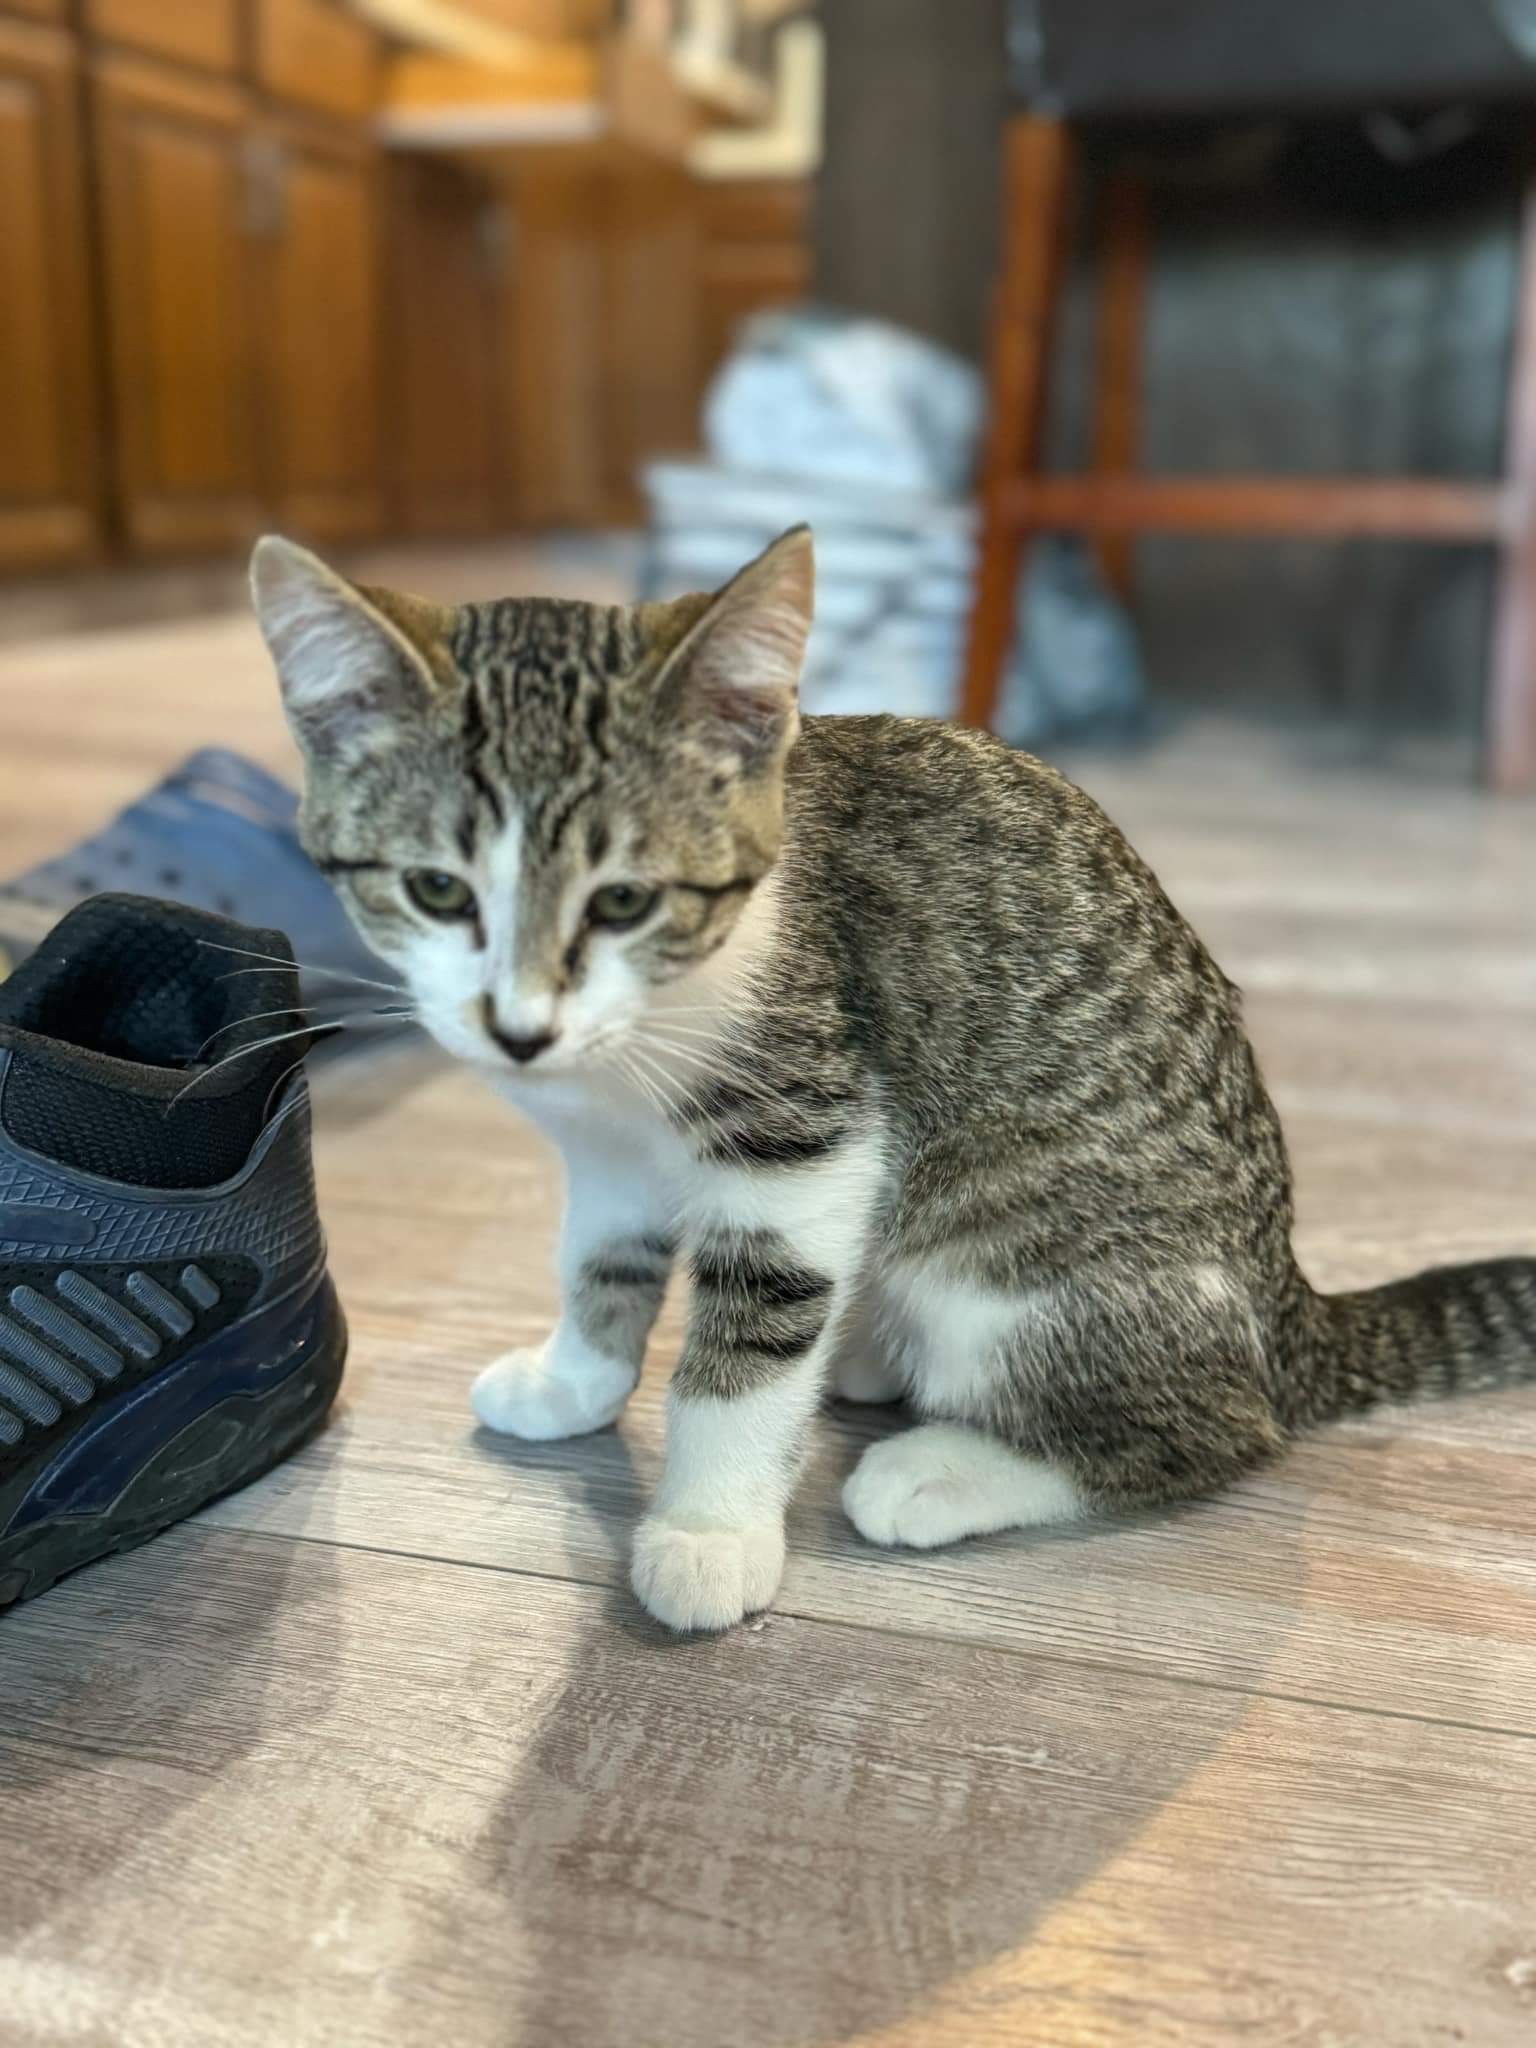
(735, 672)
(354, 664)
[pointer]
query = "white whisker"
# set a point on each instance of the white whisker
(662, 1081)
(256, 1017)
(347, 1018)
(328, 973)
(636, 1079)
(687, 1031)
(300, 1095)
(244, 1051)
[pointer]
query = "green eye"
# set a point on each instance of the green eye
(439, 895)
(620, 904)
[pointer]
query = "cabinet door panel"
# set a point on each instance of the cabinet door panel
(315, 52)
(176, 218)
(446, 237)
(47, 384)
(321, 381)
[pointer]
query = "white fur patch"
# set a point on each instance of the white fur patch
(936, 1484)
(706, 1578)
(552, 1392)
(821, 1211)
(946, 1334)
(1216, 1286)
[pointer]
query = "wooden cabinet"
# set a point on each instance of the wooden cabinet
(314, 53)
(627, 284)
(756, 255)
(48, 405)
(653, 257)
(558, 431)
(605, 355)
(205, 33)
(448, 240)
(242, 300)
(209, 340)
(319, 365)
(182, 320)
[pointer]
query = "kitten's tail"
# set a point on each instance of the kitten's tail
(1452, 1330)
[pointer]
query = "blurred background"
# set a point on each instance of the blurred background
(596, 295)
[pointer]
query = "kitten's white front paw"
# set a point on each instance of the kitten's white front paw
(523, 1394)
(693, 1578)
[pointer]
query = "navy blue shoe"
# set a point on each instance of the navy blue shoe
(167, 1327)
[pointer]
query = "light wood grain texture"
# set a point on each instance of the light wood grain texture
(332, 1796)
(379, 1751)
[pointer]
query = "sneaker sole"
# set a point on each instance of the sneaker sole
(223, 1448)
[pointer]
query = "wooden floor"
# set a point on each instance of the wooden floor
(380, 1750)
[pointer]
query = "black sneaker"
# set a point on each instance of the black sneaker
(167, 1327)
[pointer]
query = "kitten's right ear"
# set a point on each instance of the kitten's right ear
(353, 664)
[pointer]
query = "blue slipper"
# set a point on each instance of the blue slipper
(218, 834)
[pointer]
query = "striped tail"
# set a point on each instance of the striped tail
(1452, 1330)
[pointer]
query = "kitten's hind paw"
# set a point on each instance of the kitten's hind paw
(694, 1578)
(941, 1482)
(523, 1394)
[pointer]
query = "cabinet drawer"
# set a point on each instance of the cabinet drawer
(310, 52)
(201, 32)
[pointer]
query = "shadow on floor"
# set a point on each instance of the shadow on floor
(804, 1830)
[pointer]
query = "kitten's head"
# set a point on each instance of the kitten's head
(542, 812)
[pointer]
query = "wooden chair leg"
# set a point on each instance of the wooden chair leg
(1037, 176)
(1126, 245)
(1511, 702)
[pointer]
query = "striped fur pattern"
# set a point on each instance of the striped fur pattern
(892, 1036)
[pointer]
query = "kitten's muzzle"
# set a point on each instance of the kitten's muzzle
(522, 1046)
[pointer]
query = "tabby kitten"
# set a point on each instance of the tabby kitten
(881, 1027)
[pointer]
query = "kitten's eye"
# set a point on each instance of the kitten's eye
(620, 904)
(439, 895)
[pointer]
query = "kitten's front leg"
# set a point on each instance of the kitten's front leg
(617, 1245)
(774, 1257)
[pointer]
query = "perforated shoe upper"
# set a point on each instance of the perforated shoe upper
(155, 1173)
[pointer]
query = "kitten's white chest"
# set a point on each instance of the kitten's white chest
(600, 1114)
